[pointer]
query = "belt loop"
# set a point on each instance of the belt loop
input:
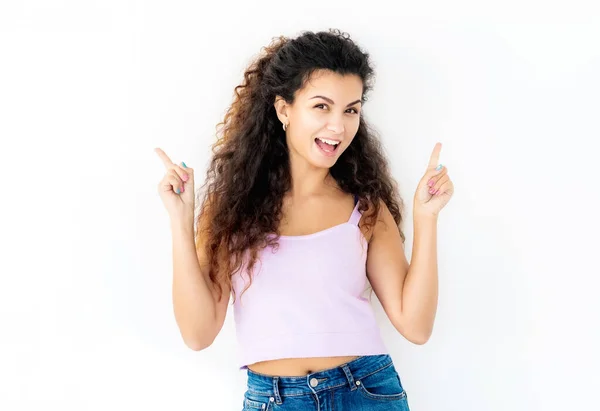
(349, 377)
(276, 390)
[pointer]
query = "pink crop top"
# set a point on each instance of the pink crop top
(306, 299)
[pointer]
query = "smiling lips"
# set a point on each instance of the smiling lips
(327, 146)
(331, 141)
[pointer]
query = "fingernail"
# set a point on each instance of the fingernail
(431, 190)
(438, 168)
(430, 183)
(177, 191)
(183, 164)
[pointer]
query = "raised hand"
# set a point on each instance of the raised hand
(435, 188)
(176, 189)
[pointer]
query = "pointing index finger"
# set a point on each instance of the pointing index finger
(435, 156)
(164, 157)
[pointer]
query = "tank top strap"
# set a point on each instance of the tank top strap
(356, 215)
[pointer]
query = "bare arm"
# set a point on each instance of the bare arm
(198, 311)
(408, 292)
(193, 298)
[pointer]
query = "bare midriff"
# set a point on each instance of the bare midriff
(298, 367)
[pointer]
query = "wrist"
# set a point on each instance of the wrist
(425, 217)
(183, 224)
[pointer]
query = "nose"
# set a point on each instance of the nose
(336, 125)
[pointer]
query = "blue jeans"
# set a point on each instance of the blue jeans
(367, 383)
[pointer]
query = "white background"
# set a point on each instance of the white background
(89, 88)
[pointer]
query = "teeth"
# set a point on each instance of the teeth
(330, 142)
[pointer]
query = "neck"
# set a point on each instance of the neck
(308, 180)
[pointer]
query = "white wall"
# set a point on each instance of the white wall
(88, 89)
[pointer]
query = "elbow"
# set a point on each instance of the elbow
(415, 336)
(196, 337)
(418, 339)
(197, 341)
(197, 344)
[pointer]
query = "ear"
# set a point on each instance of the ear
(281, 108)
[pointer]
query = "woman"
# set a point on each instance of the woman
(299, 210)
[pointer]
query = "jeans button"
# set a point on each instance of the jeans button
(314, 382)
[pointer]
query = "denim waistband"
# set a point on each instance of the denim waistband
(344, 374)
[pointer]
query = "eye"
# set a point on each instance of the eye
(323, 105)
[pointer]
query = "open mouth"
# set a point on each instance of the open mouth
(328, 147)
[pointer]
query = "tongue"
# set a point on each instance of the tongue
(325, 146)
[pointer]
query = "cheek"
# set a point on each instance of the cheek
(307, 127)
(311, 122)
(352, 129)
(354, 125)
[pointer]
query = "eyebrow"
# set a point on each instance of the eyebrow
(330, 101)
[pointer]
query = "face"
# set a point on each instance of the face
(324, 118)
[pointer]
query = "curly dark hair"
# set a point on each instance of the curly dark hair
(249, 172)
